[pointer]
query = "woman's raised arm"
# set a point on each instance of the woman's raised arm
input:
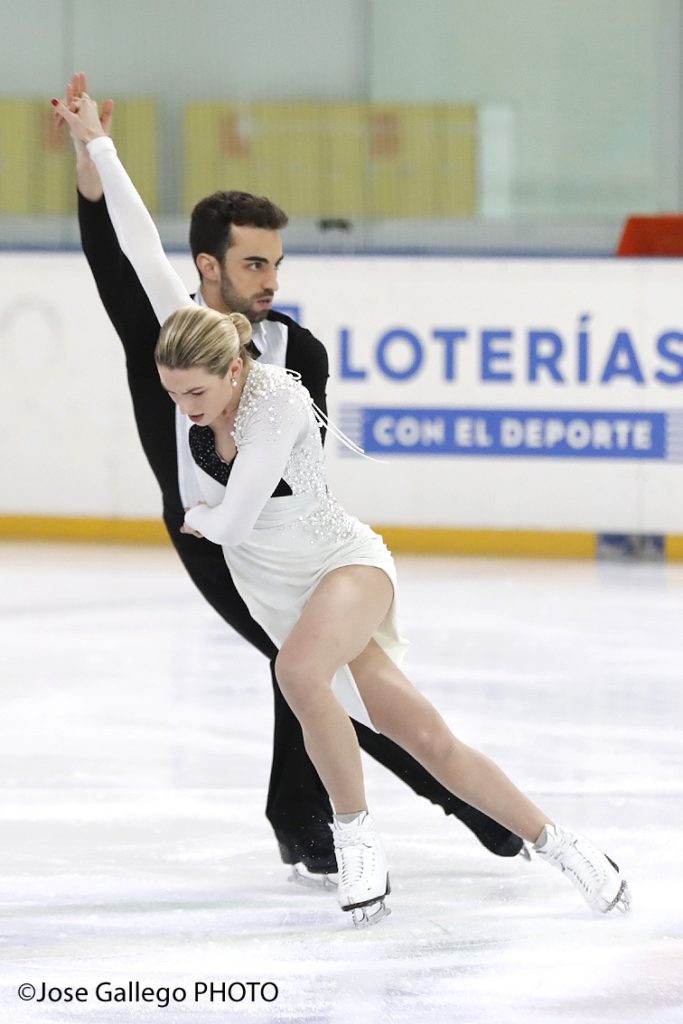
(135, 229)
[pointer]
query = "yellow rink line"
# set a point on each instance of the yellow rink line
(418, 540)
(87, 530)
(499, 543)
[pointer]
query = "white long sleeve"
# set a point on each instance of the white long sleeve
(137, 233)
(273, 426)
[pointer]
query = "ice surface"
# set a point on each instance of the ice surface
(133, 771)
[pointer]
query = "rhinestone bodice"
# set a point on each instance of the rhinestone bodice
(272, 399)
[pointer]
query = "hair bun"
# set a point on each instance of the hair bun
(242, 326)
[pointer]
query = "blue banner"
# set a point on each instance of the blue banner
(531, 433)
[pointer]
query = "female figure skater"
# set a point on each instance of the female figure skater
(320, 583)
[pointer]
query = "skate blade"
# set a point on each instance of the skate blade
(371, 911)
(621, 902)
(310, 880)
(365, 917)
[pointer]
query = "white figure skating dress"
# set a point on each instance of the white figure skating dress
(278, 548)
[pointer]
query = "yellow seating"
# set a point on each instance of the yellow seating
(37, 163)
(422, 160)
(317, 160)
(334, 160)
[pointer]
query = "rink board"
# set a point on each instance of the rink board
(495, 397)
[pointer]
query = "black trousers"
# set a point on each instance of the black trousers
(298, 807)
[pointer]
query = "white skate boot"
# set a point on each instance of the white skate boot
(593, 873)
(363, 880)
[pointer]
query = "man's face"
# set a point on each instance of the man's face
(248, 274)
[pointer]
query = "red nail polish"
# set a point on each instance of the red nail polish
(54, 102)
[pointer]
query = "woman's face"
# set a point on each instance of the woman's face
(199, 395)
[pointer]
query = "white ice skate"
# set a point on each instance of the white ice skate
(593, 873)
(363, 875)
(301, 875)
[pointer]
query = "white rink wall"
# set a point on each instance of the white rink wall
(499, 394)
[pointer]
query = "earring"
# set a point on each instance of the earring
(233, 381)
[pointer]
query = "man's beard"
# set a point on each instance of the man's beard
(237, 303)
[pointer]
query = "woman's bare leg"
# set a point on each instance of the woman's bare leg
(400, 712)
(335, 627)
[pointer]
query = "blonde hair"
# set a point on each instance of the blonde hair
(195, 336)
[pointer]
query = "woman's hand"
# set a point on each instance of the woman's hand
(75, 89)
(192, 533)
(80, 112)
(188, 529)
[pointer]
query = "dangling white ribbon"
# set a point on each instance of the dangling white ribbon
(324, 421)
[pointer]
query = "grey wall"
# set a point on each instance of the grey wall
(591, 87)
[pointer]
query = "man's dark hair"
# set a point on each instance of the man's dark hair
(213, 217)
